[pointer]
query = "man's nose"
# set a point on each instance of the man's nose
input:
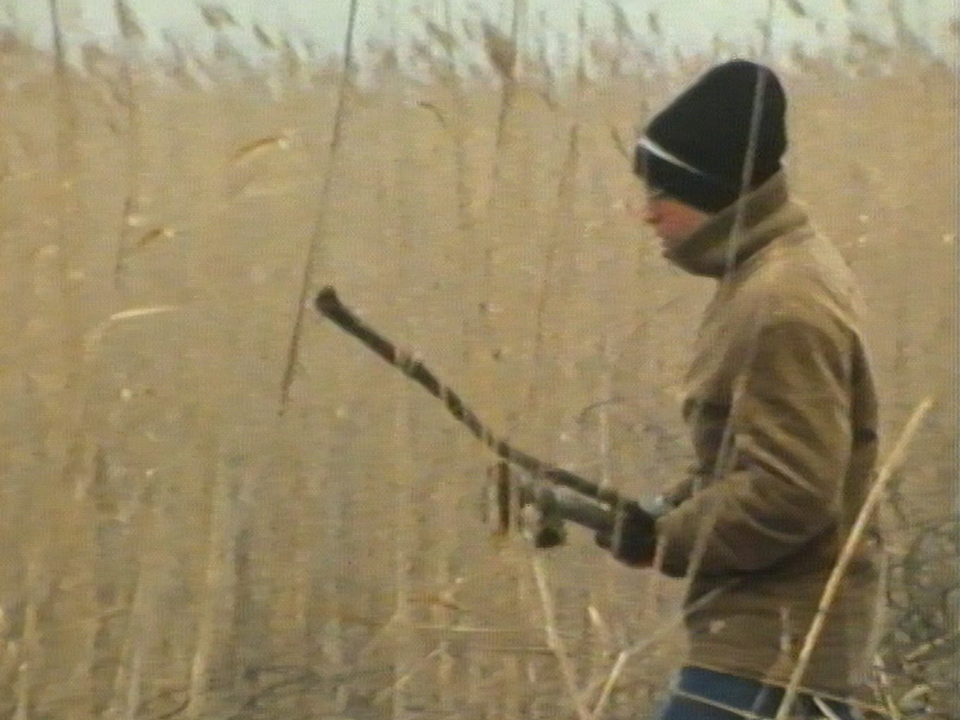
(651, 215)
(644, 212)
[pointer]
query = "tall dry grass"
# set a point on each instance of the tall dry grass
(173, 548)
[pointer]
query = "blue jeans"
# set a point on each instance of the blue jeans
(737, 693)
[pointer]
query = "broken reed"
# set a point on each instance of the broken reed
(864, 518)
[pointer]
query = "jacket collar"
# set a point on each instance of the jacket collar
(767, 214)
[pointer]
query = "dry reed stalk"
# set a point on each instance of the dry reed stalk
(250, 631)
(294, 532)
(406, 471)
(662, 631)
(603, 440)
(603, 645)
(582, 78)
(70, 609)
(474, 680)
(623, 33)
(263, 38)
(30, 648)
(94, 511)
(565, 193)
(93, 337)
(217, 17)
(128, 683)
(178, 69)
(192, 54)
(908, 40)
(314, 246)
(446, 612)
(218, 604)
(302, 578)
(502, 53)
(443, 36)
(930, 646)
(66, 107)
(226, 53)
(796, 8)
(132, 34)
(445, 501)
(561, 232)
(549, 90)
(334, 532)
(865, 516)
(69, 548)
(886, 694)
(563, 214)
(512, 695)
(292, 64)
(478, 631)
(523, 591)
(880, 607)
(457, 129)
(68, 207)
(401, 682)
(726, 451)
(753, 139)
(601, 652)
(554, 642)
(128, 678)
(405, 476)
(446, 668)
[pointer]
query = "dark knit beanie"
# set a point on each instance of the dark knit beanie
(695, 148)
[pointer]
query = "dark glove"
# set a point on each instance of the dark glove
(633, 538)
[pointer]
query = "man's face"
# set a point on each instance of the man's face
(672, 220)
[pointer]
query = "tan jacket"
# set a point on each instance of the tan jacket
(780, 378)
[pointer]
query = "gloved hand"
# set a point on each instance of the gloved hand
(633, 538)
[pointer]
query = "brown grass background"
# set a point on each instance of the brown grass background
(179, 539)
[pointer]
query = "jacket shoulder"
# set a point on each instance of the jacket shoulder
(801, 277)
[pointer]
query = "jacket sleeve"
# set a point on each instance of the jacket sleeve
(791, 444)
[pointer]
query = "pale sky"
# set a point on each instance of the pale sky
(687, 24)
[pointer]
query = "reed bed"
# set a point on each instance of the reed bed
(175, 547)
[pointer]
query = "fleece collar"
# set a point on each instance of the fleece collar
(767, 213)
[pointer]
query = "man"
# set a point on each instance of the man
(780, 402)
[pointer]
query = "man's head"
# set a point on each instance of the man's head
(693, 154)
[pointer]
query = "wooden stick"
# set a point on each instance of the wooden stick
(329, 305)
